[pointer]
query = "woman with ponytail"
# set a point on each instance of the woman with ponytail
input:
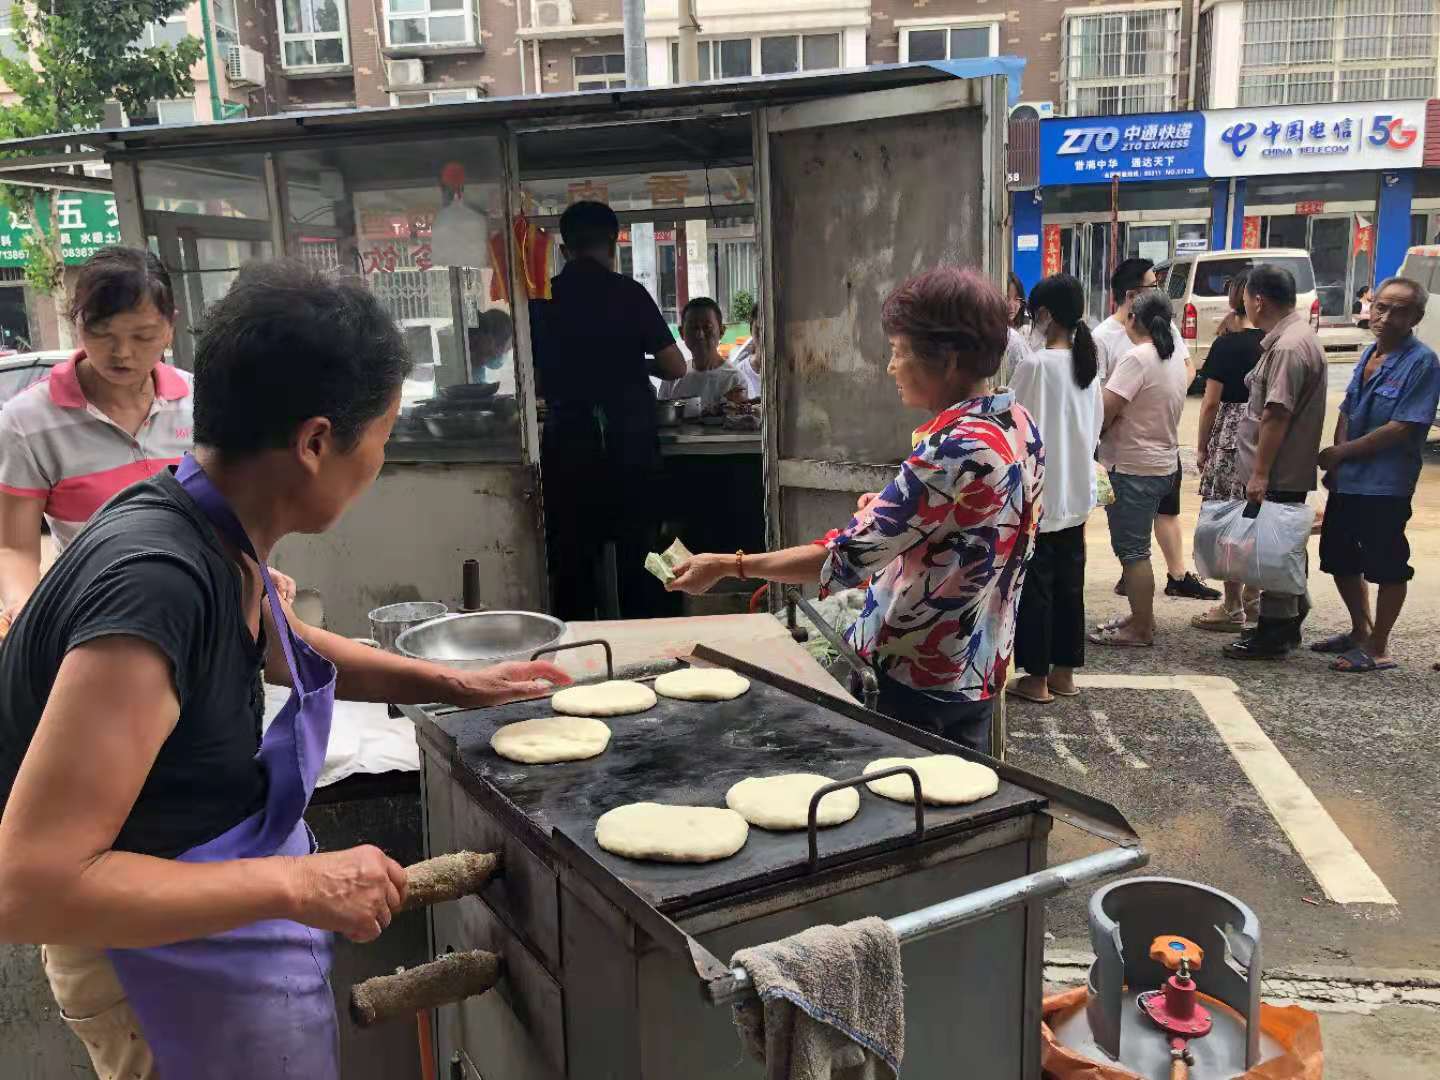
(1140, 446)
(1059, 386)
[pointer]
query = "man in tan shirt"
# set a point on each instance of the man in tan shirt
(1279, 438)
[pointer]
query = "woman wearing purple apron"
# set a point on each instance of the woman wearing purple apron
(151, 839)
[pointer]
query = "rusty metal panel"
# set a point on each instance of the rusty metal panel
(863, 206)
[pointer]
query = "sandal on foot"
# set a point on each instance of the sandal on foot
(1358, 661)
(1012, 690)
(1065, 693)
(1335, 643)
(1221, 621)
(1111, 636)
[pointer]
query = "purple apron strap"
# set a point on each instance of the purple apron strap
(255, 1001)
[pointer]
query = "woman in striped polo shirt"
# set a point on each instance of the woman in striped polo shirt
(111, 415)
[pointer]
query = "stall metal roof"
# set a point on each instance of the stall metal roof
(55, 155)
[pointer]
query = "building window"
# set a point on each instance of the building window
(1122, 61)
(1303, 52)
(1202, 49)
(8, 45)
(435, 97)
(314, 34)
(179, 111)
(222, 17)
(429, 22)
(778, 54)
(606, 72)
(170, 32)
(969, 41)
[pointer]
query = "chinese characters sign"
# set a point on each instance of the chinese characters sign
(87, 222)
(1311, 138)
(1233, 142)
(1145, 146)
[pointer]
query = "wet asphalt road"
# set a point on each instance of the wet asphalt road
(1363, 744)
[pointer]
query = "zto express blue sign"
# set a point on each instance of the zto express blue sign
(1143, 146)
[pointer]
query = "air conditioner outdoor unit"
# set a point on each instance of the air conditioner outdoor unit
(549, 13)
(1044, 110)
(245, 65)
(405, 73)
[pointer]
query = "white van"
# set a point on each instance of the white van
(1422, 265)
(1199, 287)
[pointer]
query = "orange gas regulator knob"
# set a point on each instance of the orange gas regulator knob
(1171, 950)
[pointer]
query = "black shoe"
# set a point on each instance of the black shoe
(1190, 587)
(1271, 640)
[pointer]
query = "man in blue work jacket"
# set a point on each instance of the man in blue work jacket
(1372, 471)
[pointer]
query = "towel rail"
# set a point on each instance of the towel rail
(972, 907)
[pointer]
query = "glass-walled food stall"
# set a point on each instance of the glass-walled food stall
(449, 213)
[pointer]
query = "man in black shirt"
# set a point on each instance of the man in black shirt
(596, 344)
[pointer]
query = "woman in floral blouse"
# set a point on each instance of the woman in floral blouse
(944, 546)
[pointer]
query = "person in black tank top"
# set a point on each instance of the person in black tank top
(130, 695)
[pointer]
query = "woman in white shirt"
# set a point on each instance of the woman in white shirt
(709, 378)
(1060, 387)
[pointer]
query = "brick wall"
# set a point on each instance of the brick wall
(365, 59)
(306, 93)
(557, 59)
(1028, 28)
(259, 30)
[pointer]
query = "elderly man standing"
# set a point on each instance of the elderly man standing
(1372, 471)
(1278, 439)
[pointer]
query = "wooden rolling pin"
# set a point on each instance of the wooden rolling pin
(448, 877)
(450, 978)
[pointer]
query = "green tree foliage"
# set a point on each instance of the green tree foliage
(72, 56)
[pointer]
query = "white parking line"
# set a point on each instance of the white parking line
(1339, 869)
(1057, 743)
(1110, 739)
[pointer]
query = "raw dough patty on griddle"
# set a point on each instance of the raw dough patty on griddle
(551, 739)
(701, 684)
(945, 780)
(783, 802)
(664, 833)
(619, 697)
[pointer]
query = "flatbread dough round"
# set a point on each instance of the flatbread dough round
(617, 697)
(783, 802)
(550, 739)
(665, 833)
(701, 684)
(945, 780)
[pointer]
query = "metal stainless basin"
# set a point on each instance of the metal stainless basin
(477, 639)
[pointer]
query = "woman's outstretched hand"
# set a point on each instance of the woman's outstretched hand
(699, 573)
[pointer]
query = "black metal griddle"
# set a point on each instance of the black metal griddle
(692, 752)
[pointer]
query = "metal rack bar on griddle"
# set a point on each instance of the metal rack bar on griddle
(1066, 804)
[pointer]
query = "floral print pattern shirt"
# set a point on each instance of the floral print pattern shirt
(945, 546)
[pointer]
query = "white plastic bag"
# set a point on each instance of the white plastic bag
(1266, 550)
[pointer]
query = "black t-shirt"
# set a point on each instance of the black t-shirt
(1230, 360)
(151, 566)
(591, 338)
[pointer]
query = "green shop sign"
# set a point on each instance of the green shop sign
(87, 222)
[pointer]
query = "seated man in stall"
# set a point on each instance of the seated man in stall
(596, 344)
(708, 376)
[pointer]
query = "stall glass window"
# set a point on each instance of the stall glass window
(313, 33)
(429, 22)
(422, 226)
(207, 218)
